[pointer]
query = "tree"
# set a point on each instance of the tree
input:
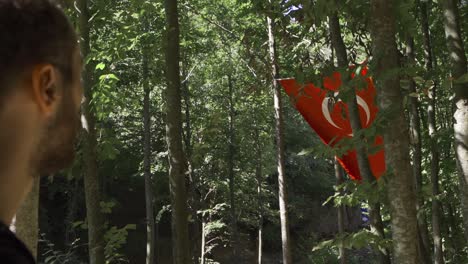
(341, 213)
(400, 184)
(150, 226)
(259, 178)
(94, 215)
(355, 120)
(258, 173)
(282, 193)
(230, 161)
(458, 69)
(416, 142)
(230, 151)
(177, 166)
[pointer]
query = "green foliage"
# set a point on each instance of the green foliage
(227, 39)
(359, 240)
(115, 239)
(106, 207)
(352, 193)
(53, 256)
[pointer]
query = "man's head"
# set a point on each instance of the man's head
(40, 84)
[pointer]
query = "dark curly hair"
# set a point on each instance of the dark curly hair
(33, 32)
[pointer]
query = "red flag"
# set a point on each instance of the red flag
(329, 118)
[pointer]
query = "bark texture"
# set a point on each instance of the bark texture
(282, 193)
(94, 215)
(458, 68)
(416, 143)
(400, 185)
(429, 64)
(356, 125)
(231, 154)
(194, 196)
(177, 162)
(258, 176)
(431, 121)
(150, 226)
(341, 213)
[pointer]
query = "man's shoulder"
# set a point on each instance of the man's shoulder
(12, 250)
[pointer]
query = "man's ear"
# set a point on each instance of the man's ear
(45, 88)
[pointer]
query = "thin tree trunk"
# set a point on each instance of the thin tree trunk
(177, 162)
(193, 192)
(91, 177)
(458, 68)
(258, 176)
(453, 230)
(282, 193)
(260, 220)
(429, 64)
(341, 212)
(231, 153)
(147, 158)
(157, 257)
(26, 222)
(400, 187)
(70, 234)
(202, 258)
(415, 136)
(355, 120)
(431, 121)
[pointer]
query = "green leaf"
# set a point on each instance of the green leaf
(418, 79)
(305, 152)
(462, 79)
(108, 77)
(78, 223)
(100, 66)
(324, 244)
(49, 259)
(130, 227)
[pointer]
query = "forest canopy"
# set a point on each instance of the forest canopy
(195, 153)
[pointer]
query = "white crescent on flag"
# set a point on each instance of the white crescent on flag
(326, 112)
(327, 115)
(364, 106)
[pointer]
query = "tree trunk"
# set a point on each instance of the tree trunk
(283, 200)
(157, 258)
(193, 191)
(202, 255)
(355, 120)
(150, 245)
(458, 68)
(26, 222)
(453, 230)
(260, 220)
(177, 163)
(231, 153)
(341, 212)
(431, 121)
(91, 178)
(415, 137)
(194, 196)
(258, 176)
(400, 187)
(429, 64)
(70, 233)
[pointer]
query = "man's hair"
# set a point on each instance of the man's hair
(33, 32)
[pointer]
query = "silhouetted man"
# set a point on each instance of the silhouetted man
(40, 97)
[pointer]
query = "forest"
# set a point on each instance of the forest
(193, 151)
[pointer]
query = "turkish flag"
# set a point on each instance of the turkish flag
(329, 117)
